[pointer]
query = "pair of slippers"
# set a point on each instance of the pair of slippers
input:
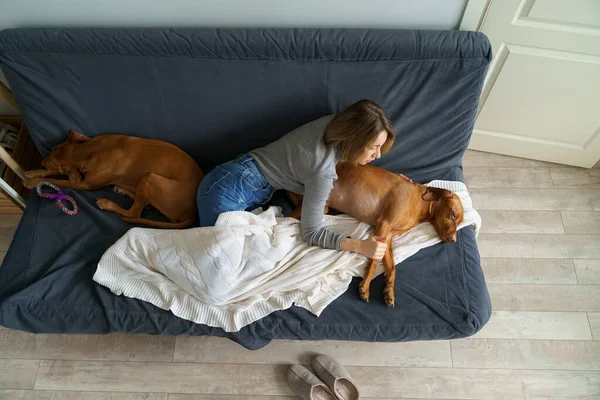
(331, 382)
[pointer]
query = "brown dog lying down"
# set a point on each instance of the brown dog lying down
(393, 204)
(151, 172)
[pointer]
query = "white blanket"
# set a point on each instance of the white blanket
(248, 265)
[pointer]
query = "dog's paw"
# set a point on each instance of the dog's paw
(37, 173)
(117, 190)
(295, 215)
(31, 183)
(363, 291)
(103, 204)
(388, 296)
(293, 197)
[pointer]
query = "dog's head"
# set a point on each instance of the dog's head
(60, 157)
(446, 212)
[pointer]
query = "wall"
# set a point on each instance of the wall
(423, 14)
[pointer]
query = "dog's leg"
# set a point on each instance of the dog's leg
(364, 289)
(133, 212)
(296, 213)
(40, 173)
(141, 199)
(154, 190)
(92, 180)
(125, 192)
(31, 183)
(296, 200)
(122, 191)
(382, 229)
(75, 180)
(390, 275)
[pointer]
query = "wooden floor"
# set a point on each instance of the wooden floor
(540, 244)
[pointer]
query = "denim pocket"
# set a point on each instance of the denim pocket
(211, 180)
(254, 181)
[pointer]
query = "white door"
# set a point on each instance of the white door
(541, 98)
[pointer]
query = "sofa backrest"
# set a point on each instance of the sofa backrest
(219, 92)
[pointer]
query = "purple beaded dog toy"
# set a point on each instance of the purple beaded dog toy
(59, 196)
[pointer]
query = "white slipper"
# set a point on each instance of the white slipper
(306, 385)
(336, 377)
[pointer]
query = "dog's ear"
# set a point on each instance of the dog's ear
(76, 137)
(433, 194)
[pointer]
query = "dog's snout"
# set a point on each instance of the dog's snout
(449, 238)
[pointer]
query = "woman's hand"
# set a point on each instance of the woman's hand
(405, 177)
(373, 247)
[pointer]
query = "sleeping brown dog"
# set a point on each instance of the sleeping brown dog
(393, 204)
(151, 172)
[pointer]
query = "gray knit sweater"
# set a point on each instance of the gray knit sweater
(301, 163)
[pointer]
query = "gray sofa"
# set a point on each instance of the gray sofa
(217, 93)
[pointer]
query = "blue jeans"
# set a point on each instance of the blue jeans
(237, 185)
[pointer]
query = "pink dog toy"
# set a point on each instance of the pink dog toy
(59, 197)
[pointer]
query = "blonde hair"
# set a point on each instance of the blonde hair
(355, 127)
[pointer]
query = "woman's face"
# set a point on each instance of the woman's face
(373, 150)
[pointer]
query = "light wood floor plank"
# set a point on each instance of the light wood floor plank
(588, 271)
(594, 319)
(529, 270)
(58, 395)
(179, 396)
(524, 297)
(18, 374)
(7, 207)
(473, 158)
(411, 354)
(529, 245)
(9, 220)
(490, 177)
(8, 225)
(536, 325)
(474, 383)
(163, 377)
(526, 354)
(263, 380)
(521, 222)
(118, 347)
(173, 396)
(575, 177)
(535, 199)
(581, 222)
(6, 235)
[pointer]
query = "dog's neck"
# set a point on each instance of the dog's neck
(426, 208)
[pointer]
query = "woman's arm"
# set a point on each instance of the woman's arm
(316, 192)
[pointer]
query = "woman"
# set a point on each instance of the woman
(303, 162)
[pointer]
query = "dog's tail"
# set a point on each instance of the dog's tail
(158, 224)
